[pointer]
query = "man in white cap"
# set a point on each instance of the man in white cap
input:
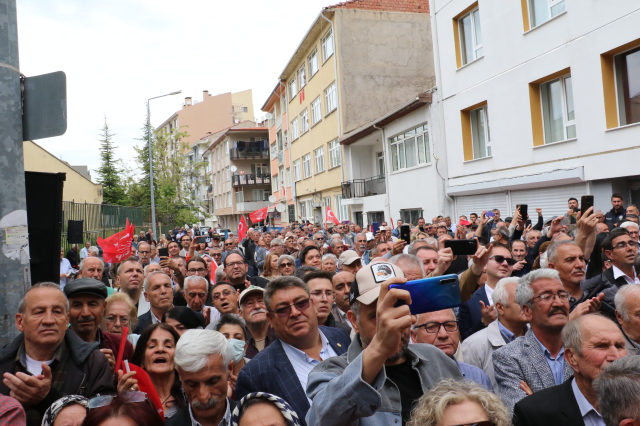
(380, 364)
(350, 262)
(254, 312)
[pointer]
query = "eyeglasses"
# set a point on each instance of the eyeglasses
(228, 244)
(547, 297)
(319, 239)
(114, 319)
(104, 400)
(434, 327)
(301, 305)
(487, 423)
(194, 270)
(226, 293)
(502, 259)
(286, 265)
(623, 245)
(232, 264)
(321, 295)
(144, 251)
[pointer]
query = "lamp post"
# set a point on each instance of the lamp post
(153, 201)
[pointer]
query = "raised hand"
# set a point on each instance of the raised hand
(489, 313)
(29, 390)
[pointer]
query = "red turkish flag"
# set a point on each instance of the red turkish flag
(258, 215)
(331, 217)
(146, 385)
(117, 247)
(242, 228)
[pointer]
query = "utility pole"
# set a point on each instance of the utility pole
(14, 261)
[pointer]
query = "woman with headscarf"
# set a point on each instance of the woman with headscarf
(68, 410)
(264, 408)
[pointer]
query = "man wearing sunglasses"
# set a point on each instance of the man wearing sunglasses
(440, 329)
(385, 373)
(283, 367)
(537, 359)
(479, 311)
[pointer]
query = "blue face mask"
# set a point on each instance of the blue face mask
(236, 347)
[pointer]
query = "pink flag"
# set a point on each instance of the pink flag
(117, 247)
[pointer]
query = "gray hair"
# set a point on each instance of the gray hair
(408, 260)
(355, 308)
(196, 346)
(524, 292)
(321, 234)
(618, 389)
(628, 224)
(22, 304)
(304, 270)
(552, 251)
(146, 280)
(146, 268)
(220, 275)
(81, 265)
(277, 242)
(282, 283)
(286, 257)
(335, 242)
(330, 256)
(621, 299)
(193, 278)
(500, 293)
(412, 247)
(572, 333)
(432, 242)
(95, 250)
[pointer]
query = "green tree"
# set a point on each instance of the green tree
(113, 191)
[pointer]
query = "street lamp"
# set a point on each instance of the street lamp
(153, 201)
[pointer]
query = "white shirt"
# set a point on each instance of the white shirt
(143, 305)
(35, 367)
(65, 267)
(590, 415)
(489, 292)
(84, 253)
(618, 273)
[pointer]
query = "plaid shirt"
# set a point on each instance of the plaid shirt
(11, 412)
(252, 350)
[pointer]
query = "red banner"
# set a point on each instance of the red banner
(331, 217)
(258, 215)
(117, 247)
(242, 229)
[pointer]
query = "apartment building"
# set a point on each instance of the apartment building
(358, 60)
(540, 101)
(238, 166)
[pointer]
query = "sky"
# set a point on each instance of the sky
(118, 53)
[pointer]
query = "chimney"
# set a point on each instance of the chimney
(187, 101)
(205, 95)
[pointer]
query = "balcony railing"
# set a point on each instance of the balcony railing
(249, 151)
(358, 188)
(250, 179)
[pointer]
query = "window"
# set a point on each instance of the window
(303, 210)
(229, 198)
(480, 135)
(330, 98)
(327, 46)
(228, 173)
(334, 154)
(410, 149)
(259, 195)
(557, 109)
(296, 170)
(540, 11)
(302, 77)
(239, 197)
(627, 68)
(293, 89)
(313, 63)
(304, 121)
(289, 177)
(341, 211)
(411, 216)
(260, 169)
(306, 165)
(470, 37)
(279, 139)
(283, 180)
(316, 111)
(226, 148)
(319, 155)
(275, 185)
(327, 203)
(294, 129)
(380, 162)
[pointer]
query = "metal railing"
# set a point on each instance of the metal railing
(250, 179)
(358, 188)
(249, 151)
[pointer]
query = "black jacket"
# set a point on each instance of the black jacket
(470, 313)
(144, 321)
(257, 281)
(553, 406)
(87, 372)
(249, 252)
(612, 217)
(603, 283)
(331, 322)
(183, 417)
(73, 257)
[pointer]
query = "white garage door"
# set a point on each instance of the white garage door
(553, 200)
(468, 204)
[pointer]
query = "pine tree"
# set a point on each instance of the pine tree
(113, 191)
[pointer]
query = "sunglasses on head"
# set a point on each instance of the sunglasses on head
(486, 423)
(501, 259)
(301, 305)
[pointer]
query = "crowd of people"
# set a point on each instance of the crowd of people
(299, 326)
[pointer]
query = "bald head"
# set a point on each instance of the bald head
(341, 287)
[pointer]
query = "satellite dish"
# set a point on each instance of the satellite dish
(233, 169)
(272, 198)
(280, 207)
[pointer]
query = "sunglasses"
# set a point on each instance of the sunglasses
(286, 265)
(104, 400)
(285, 311)
(501, 259)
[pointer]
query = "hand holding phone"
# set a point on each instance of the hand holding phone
(586, 201)
(431, 294)
(462, 247)
(375, 227)
(405, 233)
(163, 252)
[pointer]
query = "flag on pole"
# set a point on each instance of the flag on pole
(242, 229)
(117, 247)
(258, 215)
(331, 217)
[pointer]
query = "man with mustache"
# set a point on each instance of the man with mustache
(380, 364)
(204, 363)
(341, 288)
(536, 360)
(254, 313)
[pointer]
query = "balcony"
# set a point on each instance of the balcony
(251, 206)
(359, 188)
(280, 157)
(250, 179)
(250, 151)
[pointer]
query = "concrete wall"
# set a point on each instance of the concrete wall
(76, 186)
(384, 59)
(245, 99)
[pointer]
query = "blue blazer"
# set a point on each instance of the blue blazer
(271, 371)
(470, 313)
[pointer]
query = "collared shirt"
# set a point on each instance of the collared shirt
(303, 363)
(154, 318)
(506, 333)
(474, 374)
(489, 292)
(555, 364)
(618, 273)
(226, 419)
(340, 316)
(84, 253)
(252, 349)
(590, 415)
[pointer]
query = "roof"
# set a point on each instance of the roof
(277, 92)
(418, 102)
(407, 6)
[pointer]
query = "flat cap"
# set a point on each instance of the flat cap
(85, 286)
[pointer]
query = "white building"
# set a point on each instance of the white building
(540, 101)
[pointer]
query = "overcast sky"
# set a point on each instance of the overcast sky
(117, 53)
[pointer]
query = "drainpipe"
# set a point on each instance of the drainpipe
(387, 203)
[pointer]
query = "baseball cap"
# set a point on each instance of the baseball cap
(216, 236)
(465, 222)
(366, 287)
(248, 290)
(370, 236)
(348, 257)
(86, 286)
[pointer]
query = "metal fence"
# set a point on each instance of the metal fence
(358, 188)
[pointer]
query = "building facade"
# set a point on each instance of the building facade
(540, 102)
